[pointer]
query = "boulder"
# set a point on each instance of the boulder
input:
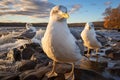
(82, 74)
(93, 65)
(37, 74)
(30, 49)
(14, 55)
(17, 54)
(25, 73)
(27, 53)
(26, 65)
(115, 71)
(9, 76)
(61, 69)
(3, 55)
(12, 77)
(113, 54)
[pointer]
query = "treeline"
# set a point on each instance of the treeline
(96, 24)
(112, 17)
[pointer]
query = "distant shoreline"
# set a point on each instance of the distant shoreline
(96, 24)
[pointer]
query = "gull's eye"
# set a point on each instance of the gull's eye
(55, 11)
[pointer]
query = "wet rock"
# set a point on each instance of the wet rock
(26, 65)
(113, 54)
(3, 55)
(17, 54)
(41, 65)
(82, 74)
(117, 64)
(27, 53)
(9, 76)
(61, 69)
(10, 55)
(116, 45)
(12, 77)
(4, 74)
(30, 49)
(93, 65)
(14, 55)
(32, 45)
(31, 77)
(59, 77)
(23, 74)
(38, 74)
(115, 71)
(40, 58)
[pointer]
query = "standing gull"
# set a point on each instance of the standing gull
(58, 42)
(90, 39)
(27, 34)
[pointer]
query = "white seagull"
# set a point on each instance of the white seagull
(58, 42)
(91, 39)
(27, 34)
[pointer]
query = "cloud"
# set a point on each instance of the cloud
(75, 8)
(108, 3)
(33, 8)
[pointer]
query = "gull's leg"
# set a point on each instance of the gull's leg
(71, 74)
(52, 73)
(30, 41)
(88, 53)
(97, 55)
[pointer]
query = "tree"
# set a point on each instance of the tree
(112, 18)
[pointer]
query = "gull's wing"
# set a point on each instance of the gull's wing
(28, 34)
(101, 38)
(75, 33)
(81, 47)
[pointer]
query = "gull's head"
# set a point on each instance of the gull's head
(59, 13)
(28, 25)
(89, 25)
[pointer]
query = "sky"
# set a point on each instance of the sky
(37, 11)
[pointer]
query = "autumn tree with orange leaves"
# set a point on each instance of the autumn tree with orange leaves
(112, 18)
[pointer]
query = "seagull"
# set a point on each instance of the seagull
(91, 39)
(27, 34)
(58, 42)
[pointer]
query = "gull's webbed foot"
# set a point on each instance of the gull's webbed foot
(51, 74)
(87, 55)
(69, 76)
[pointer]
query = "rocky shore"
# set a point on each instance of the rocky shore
(29, 62)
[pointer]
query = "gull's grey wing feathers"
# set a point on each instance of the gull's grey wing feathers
(101, 38)
(75, 33)
(28, 34)
(80, 45)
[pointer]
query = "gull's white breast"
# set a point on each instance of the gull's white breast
(59, 44)
(89, 38)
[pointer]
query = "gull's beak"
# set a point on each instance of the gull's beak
(65, 15)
